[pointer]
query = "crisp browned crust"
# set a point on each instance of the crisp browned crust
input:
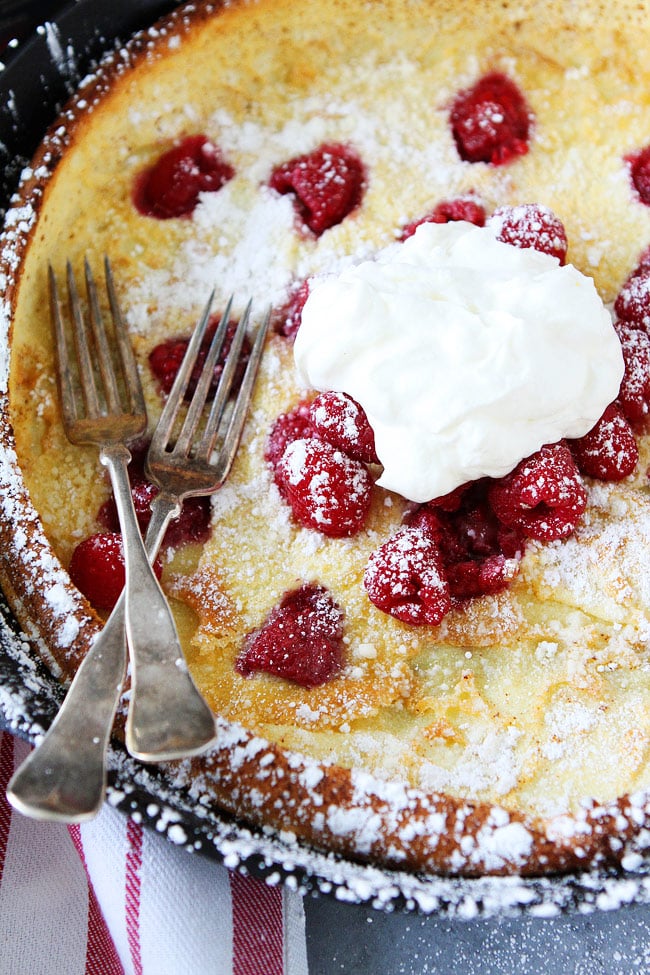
(325, 804)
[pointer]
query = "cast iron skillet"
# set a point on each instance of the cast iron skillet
(38, 77)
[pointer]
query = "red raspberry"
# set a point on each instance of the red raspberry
(544, 496)
(287, 320)
(405, 578)
(339, 419)
(171, 187)
(426, 519)
(97, 569)
(472, 578)
(491, 121)
(454, 499)
(531, 225)
(462, 208)
(328, 184)
(609, 451)
(326, 490)
(301, 639)
(639, 163)
(287, 428)
(632, 303)
(165, 359)
(643, 264)
(473, 544)
(634, 394)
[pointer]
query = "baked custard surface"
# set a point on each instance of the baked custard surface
(524, 715)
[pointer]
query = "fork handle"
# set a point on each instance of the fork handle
(167, 716)
(64, 778)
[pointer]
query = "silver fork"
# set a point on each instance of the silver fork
(65, 777)
(183, 465)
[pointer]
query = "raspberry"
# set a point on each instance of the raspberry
(632, 303)
(287, 320)
(544, 496)
(639, 163)
(405, 578)
(165, 359)
(462, 208)
(634, 394)
(326, 489)
(339, 419)
(472, 578)
(477, 552)
(301, 639)
(643, 264)
(491, 121)
(287, 428)
(609, 451)
(97, 569)
(531, 225)
(328, 184)
(171, 187)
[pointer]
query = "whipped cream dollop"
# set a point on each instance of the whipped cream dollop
(467, 354)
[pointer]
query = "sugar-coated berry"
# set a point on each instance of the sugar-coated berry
(285, 429)
(301, 640)
(405, 578)
(634, 392)
(491, 121)
(171, 187)
(326, 489)
(632, 303)
(340, 420)
(327, 184)
(609, 451)
(531, 225)
(544, 496)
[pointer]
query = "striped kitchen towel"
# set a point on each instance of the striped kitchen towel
(111, 898)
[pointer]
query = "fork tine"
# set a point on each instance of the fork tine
(223, 388)
(200, 395)
(177, 392)
(240, 410)
(102, 348)
(84, 359)
(64, 372)
(124, 347)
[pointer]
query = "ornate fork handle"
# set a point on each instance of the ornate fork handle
(65, 777)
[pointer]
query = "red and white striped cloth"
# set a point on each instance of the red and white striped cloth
(110, 898)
